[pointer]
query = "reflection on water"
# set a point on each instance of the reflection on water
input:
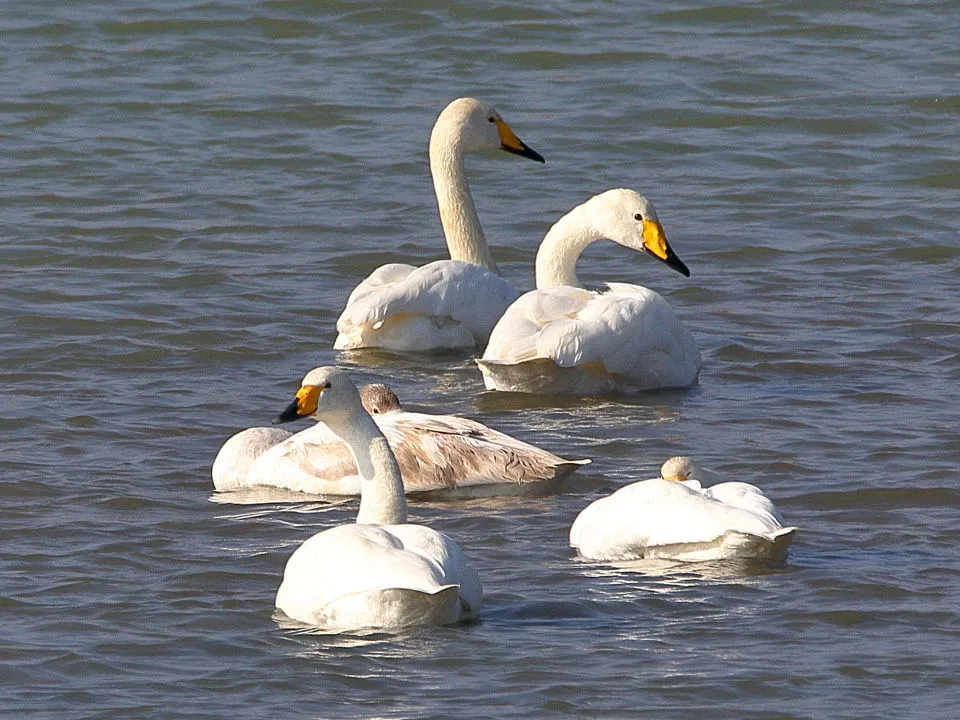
(672, 574)
(265, 494)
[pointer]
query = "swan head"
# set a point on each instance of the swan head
(629, 219)
(326, 393)
(378, 399)
(681, 468)
(475, 126)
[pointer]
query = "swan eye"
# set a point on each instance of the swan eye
(638, 217)
(491, 119)
(325, 386)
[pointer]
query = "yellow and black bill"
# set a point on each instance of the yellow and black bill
(655, 243)
(512, 144)
(303, 405)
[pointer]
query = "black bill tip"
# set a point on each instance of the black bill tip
(525, 151)
(672, 261)
(288, 415)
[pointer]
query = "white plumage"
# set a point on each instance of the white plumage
(238, 454)
(562, 338)
(447, 303)
(381, 572)
(352, 577)
(444, 304)
(675, 517)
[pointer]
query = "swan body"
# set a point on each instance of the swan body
(436, 453)
(443, 304)
(239, 452)
(675, 517)
(381, 572)
(562, 338)
(447, 303)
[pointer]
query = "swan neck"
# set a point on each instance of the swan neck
(458, 215)
(382, 500)
(560, 250)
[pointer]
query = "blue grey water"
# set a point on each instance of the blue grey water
(188, 192)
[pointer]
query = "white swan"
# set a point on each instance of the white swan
(561, 338)
(448, 454)
(674, 517)
(237, 456)
(381, 572)
(447, 303)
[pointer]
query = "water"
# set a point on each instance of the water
(191, 189)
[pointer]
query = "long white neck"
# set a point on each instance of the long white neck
(382, 501)
(561, 248)
(458, 215)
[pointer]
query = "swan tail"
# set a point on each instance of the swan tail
(544, 376)
(393, 608)
(771, 547)
(570, 466)
(406, 332)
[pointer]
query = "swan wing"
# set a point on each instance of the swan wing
(312, 461)
(628, 331)
(437, 452)
(446, 557)
(535, 326)
(748, 497)
(446, 303)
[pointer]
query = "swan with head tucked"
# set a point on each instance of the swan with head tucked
(674, 517)
(447, 303)
(381, 572)
(438, 454)
(561, 338)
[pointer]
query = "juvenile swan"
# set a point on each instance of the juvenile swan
(447, 303)
(381, 572)
(674, 517)
(436, 453)
(561, 338)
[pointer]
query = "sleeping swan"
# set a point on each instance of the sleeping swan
(453, 455)
(561, 338)
(448, 303)
(381, 572)
(674, 517)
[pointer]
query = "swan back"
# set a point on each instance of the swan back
(239, 453)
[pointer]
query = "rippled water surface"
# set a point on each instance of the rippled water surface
(189, 192)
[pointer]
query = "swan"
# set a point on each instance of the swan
(436, 453)
(675, 517)
(561, 338)
(381, 572)
(448, 303)
(238, 455)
